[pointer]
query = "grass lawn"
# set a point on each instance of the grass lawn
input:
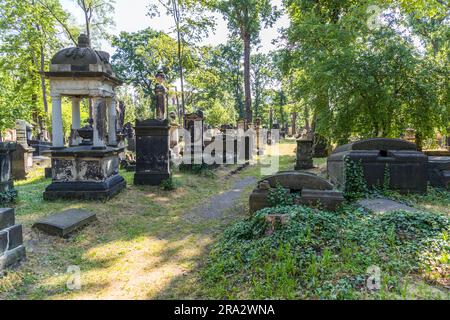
(147, 245)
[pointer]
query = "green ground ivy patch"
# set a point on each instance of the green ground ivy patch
(326, 255)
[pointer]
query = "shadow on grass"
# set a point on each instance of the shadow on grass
(141, 241)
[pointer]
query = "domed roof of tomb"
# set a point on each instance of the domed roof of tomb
(81, 58)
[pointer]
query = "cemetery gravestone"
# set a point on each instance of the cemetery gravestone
(12, 250)
(6, 180)
(152, 152)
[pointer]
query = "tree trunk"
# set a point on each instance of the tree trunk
(247, 88)
(294, 123)
(43, 85)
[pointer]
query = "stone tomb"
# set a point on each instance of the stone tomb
(312, 190)
(89, 167)
(6, 180)
(12, 250)
(407, 167)
(65, 223)
(152, 152)
(439, 172)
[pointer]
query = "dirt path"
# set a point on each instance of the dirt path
(215, 207)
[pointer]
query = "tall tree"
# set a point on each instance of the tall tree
(360, 81)
(141, 54)
(97, 17)
(245, 19)
(28, 37)
(262, 77)
(191, 22)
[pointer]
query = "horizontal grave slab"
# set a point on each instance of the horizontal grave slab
(65, 223)
(383, 206)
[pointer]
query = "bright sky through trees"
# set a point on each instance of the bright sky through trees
(130, 16)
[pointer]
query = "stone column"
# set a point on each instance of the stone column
(76, 120)
(57, 124)
(112, 116)
(97, 142)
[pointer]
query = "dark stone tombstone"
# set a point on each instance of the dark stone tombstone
(39, 146)
(304, 154)
(439, 172)
(12, 250)
(6, 179)
(152, 152)
(407, 167)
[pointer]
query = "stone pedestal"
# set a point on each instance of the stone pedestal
(85, 173)
(22, 162)
(304, 154)
(152, 152)
(6, 181)
(12, 250)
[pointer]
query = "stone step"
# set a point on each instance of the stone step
(65, 223)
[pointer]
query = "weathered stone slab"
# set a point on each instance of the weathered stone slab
(6, 218)
(66, 222)
(295, 180)
(327, 199)
(12, 257)
(15, 237)
(383, 206)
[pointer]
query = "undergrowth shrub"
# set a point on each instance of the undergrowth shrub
(8, 197)
(326, 255)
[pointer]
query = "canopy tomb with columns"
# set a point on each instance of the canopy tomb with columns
(87, 167)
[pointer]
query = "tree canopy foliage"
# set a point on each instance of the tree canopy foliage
(349, 68)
